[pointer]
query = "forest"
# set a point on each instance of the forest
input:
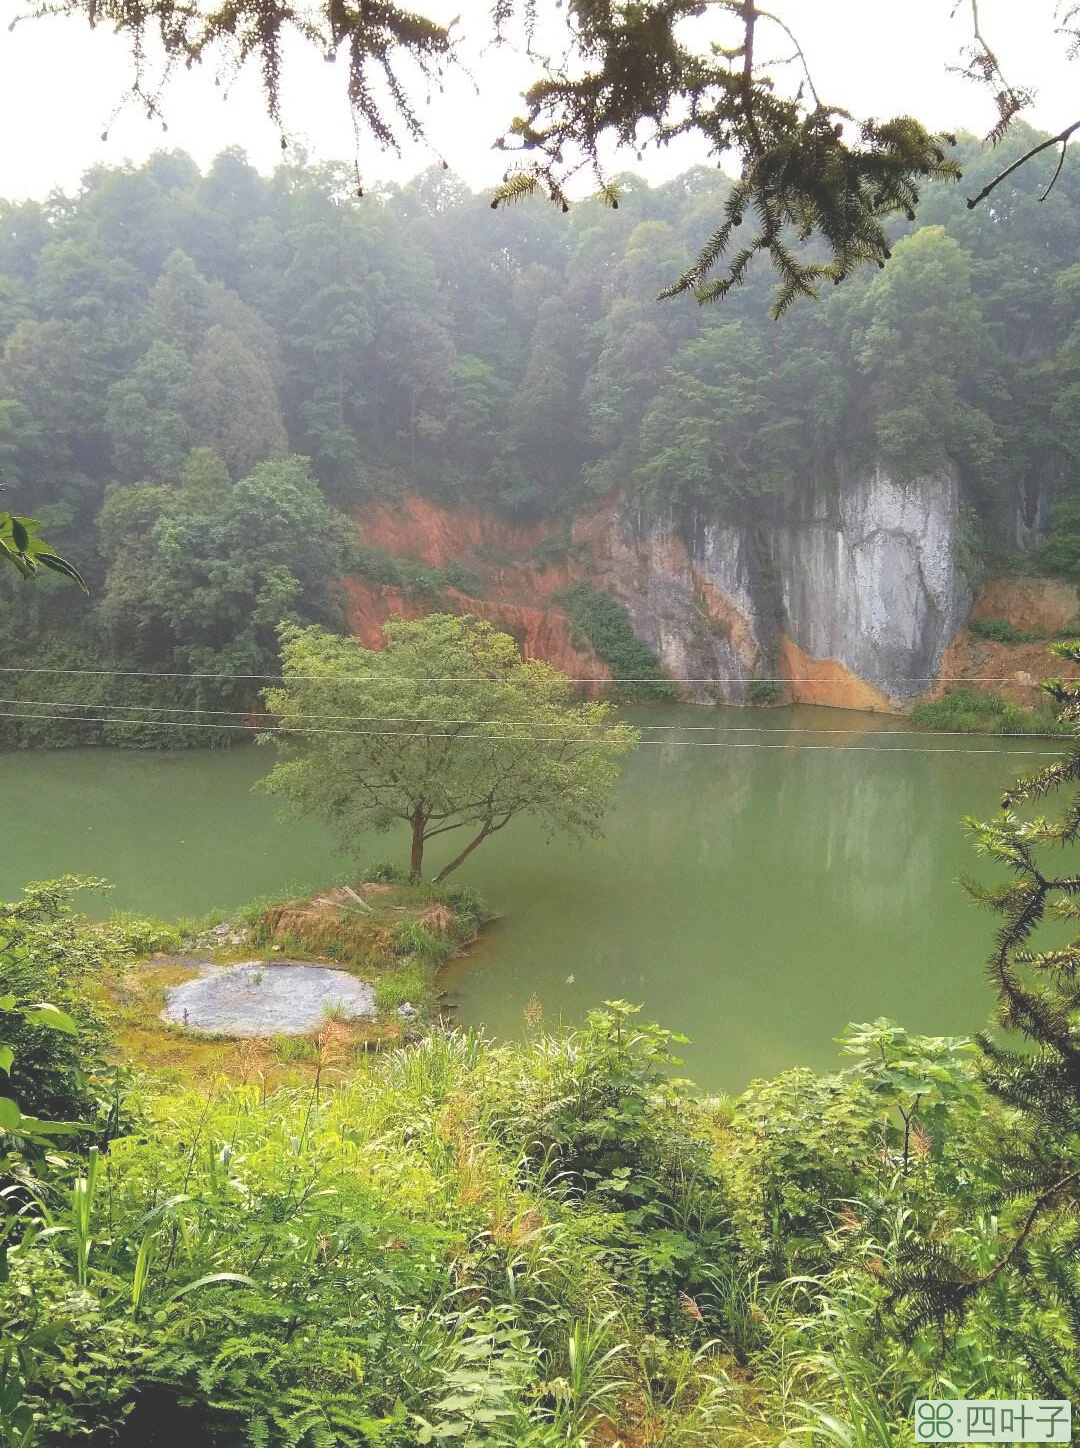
(202, 373)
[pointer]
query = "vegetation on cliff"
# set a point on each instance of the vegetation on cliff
(975, 711)
(605, 625)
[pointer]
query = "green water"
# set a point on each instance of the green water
(753, 898)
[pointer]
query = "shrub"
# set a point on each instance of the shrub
(998, 630)
(764, 691)
(605, 625)
(411, 938)
(968, 711)
(48, 953)
(377, 565)
(552, 551)
(385, 872)
(468, 906)
(456, 575)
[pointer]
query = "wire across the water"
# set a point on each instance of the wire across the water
(456, 678)
(496, 723)
(540, 739)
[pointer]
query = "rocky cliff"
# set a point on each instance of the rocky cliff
(849, 596)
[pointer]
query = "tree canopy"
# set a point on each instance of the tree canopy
(631, 71)
(173, 335)
(445, 729)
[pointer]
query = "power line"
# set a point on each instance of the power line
(456, 678)
(661, 743)
(500, 723)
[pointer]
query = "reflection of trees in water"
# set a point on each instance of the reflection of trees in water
(870, 833)
(684, 805)
(871, 827)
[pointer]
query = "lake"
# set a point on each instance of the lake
(765, 876)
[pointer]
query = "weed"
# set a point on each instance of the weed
(410, 983)
(290, 1049)
(605, 626)
(969, 711)
(998, 630)
(764, 691)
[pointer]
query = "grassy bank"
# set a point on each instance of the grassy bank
(969, 711)
(545, 1244)
(385, 930)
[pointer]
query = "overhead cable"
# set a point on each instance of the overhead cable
(555, 739)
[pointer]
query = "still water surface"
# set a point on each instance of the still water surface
(754, 898)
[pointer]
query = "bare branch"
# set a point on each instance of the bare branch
(1061, 139)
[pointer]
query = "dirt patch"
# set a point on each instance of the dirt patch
(827, 681)
(1014, 671)
(419, 529)
(542, 631)
(288, 998)
(1049, 604)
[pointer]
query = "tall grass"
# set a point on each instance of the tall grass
(968, 711)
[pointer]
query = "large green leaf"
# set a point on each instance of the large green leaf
(48, 559)
(44, 1014)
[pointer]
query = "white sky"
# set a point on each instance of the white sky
(60, 84)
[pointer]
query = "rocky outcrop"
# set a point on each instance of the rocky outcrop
(849, 595)
(846, 595)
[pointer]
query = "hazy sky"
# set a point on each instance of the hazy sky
(60, 84)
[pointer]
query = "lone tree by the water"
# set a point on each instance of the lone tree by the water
(447, 728)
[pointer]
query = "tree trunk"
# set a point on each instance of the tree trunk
(466, 852)
(416, 861)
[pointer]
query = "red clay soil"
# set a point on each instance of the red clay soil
(421, 530)
(1013, 670)
(517, 595)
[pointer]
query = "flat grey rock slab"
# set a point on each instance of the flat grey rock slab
(257, 998)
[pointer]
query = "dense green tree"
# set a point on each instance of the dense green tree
(927, 357)
(234, 407)
(57, 371)
(149, 414)
(544, 435)
(202, 574)
(445, 729)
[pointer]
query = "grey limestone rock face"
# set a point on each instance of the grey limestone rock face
(862, 572)
(870, 579)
